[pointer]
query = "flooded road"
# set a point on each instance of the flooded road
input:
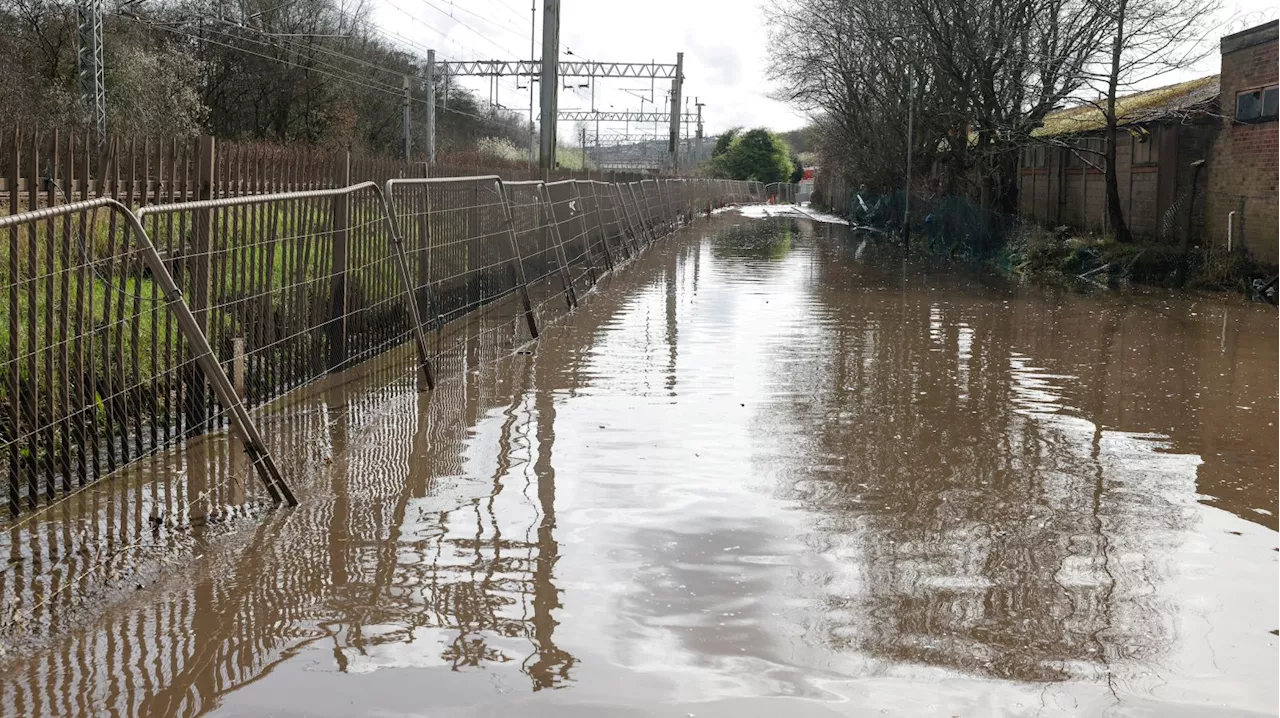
(764, 471)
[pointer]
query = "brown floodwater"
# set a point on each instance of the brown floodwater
(769, 469)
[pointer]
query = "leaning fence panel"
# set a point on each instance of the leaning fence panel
(105, 360)
(569, 213)
(596, 235)
(608, 219)
(285, 287)
(640, 207)
(634, 232)
(653, 207)
(463, 261)
(288, 286)
(551, 290)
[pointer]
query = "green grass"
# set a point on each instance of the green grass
(281, 248)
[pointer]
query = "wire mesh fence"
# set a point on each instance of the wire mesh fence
(541, 251)
(462, 258)
(569, 214)
(607, 232)
(128, 331)
(105, 361)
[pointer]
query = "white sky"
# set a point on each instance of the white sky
(724, 41)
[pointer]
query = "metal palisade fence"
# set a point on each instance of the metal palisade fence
(173, 299)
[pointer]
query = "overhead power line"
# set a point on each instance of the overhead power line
(354, 80)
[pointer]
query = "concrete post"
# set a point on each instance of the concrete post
(550, 84)
(431, 107)
(408, 139)
(673, 142)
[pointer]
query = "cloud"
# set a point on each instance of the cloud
(722, 60)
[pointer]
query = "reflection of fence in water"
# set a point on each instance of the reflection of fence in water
(286, 288)
(272, 274)
(457, 556)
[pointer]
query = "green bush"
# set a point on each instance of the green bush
(752, 155)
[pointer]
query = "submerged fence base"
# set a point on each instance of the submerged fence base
(129, 330)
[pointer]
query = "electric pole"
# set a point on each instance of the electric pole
(408, 140)
(431, 107)
(533, 27)
(673, 144)
(699, 106)
(90, 75)
(550, 82)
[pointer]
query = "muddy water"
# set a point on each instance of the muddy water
(764, 471)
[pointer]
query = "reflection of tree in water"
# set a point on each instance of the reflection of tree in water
(755, 239)
(976, 525)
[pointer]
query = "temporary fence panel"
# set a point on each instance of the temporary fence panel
(541, 252)
(608, 218)
(292, 285)
(633, 229)
(643, 210)
(600, 248)
(637, 210)
(570, 215)
(462, 255)
(106, 360)
(282, 285)
(653, 206)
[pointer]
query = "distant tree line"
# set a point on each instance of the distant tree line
(309, 71)
(982, 75)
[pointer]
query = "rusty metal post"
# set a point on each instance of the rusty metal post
(341, 222)
(198, 263)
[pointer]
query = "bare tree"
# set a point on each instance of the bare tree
(1148, 38)
(986, 72)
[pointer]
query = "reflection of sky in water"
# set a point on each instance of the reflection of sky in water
(760, 469)
(767, 487)
(1051, 557)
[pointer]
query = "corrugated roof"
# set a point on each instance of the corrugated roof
(1145, 106)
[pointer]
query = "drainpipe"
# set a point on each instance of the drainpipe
(1231, 223)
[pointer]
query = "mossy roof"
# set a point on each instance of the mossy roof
(1146, 106)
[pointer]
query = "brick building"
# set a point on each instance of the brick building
(1217, 133)
(1243, 164)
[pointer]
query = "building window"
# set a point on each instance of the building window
(1145, 148)
(1271, 103)
(1249, 105)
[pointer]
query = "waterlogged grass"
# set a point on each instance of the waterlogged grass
(1037, 252)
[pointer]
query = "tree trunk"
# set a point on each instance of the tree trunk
(1115, 214)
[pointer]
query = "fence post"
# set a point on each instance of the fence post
(13, 378)
(198, 262)
(341, 226)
